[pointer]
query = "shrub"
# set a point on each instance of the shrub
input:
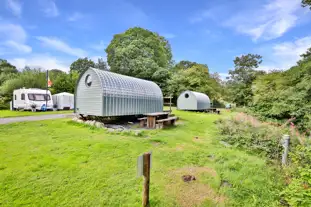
(252, 137)
(298, 191)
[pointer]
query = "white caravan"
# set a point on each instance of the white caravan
(32, 99)
(63, 101)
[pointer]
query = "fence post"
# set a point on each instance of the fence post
(285, 143)
(146, 173)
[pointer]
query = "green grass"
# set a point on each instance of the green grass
(8, 113)
(60, 163)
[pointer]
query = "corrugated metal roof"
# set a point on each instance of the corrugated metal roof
(117, 84)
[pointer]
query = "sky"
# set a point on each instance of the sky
(53, 33)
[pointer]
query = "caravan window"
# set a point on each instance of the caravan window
(14, 97)
(39, 97)
(23, 96)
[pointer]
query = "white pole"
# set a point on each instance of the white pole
(285, 143)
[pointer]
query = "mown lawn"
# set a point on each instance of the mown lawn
(60, 163)
(8, 113)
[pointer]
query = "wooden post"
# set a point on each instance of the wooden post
(146, 173)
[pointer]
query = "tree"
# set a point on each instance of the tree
(138, 52)
(242, 77)
(81, 65)
(54, 73)
(7, 67)
(305, 57)
(196, 78)
(306, 3)
(184, 65)
(244, 68)
(101, 64)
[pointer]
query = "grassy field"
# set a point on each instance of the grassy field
(60, 163)
(8, 113)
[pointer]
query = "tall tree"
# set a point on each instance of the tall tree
(82, 64)
(101, 64)
(184, 65)
(138, 52)
(195, 78)
(305, 57)
(241, 78)
(7, 71)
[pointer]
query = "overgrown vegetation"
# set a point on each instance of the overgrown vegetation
(247, 133)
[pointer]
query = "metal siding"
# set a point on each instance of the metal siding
(89, 99)
(124, 95)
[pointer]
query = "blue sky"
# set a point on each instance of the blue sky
(53, 33)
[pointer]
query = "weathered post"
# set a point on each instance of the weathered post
(146, 179)
(143, 168)
(285, 143)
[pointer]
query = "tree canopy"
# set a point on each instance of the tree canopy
(285, 94)
(242, 77)
(82, 64)
(195, 78)
(139, 53)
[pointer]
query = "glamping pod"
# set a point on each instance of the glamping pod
(103, 93)
(63, 101)
(193, 101)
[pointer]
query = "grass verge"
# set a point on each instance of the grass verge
(8, 113)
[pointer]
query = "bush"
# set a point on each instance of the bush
(298, 192)
(252, 137)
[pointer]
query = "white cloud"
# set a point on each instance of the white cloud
(284, 55)
(18, 46)
(40, 61)
(271, 21)
(169, 35)
(12, 31)
(100, 47)
(15, 7)
(61, 46)
(13, 39)
(263, 20)
(75, 17)
(49, 8)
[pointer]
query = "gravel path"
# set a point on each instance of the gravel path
(34, 118)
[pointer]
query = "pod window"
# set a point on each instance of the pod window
(88, 80)
(186, 95)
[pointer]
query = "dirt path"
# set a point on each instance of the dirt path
(34, 118)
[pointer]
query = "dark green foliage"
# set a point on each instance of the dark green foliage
(241, 78)
(196, 78)
(65, 82)
(283, 95)
(140, 53)
(82, 64)
(184, 65)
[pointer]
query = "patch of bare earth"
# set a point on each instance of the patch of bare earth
(192, 193)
